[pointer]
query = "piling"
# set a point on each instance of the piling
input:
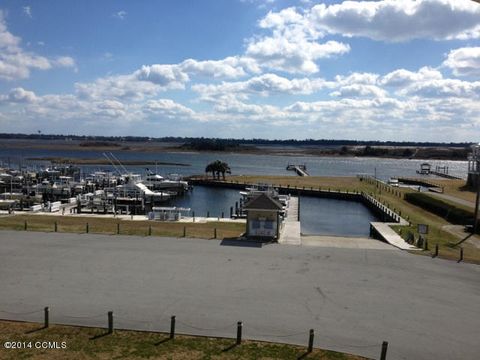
(110, 322)
(383, 355)
(172, 327)
(46, 313)
(310, 340)
(239, 332)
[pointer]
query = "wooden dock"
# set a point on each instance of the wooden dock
(291, 231)
(301, 170)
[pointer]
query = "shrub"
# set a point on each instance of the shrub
(448, 212)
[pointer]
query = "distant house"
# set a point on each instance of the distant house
(425, 169)
(263, 217)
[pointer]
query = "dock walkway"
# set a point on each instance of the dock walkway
(290, 234)
(390, 236)
(299, 169)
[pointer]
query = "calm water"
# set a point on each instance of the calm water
(251, 164)
(334, 217)
(318, 216)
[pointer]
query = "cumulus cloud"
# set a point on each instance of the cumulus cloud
(167, 108)
(399, 20)
(19, 95)
(171, 76)
(464, 61)
(402, 78)
(230, 67)
(263, 85)
(360, 90)
(292, 45)
(16, 63)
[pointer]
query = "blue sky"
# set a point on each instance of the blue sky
(386, 70)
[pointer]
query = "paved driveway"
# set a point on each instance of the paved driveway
(353, 297)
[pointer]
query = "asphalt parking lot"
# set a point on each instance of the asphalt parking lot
(354, 297)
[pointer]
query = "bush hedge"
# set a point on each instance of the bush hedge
(448, 212)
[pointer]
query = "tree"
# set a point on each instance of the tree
(210, 168)
(218, 167)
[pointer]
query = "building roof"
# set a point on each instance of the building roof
(263, 202)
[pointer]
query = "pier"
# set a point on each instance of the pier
(290, 234)
(301, 170)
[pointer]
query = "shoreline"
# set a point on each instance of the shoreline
(136, 147)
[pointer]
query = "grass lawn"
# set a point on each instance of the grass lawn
(82, 344)
(77, 224)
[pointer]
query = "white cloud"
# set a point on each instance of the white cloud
(167, 108)
(402, 78)
(19, 95)
(263, 85)
(171, 76)
(230, 67)
(360, 90)
(464, 61)
(120, 87)
(120, 14)
(444, 88)
(27, 10)
(399, 20)
(16, 63)
(292, 45)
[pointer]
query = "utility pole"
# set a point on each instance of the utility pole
(475, 222)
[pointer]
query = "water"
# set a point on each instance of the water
(319, 216)
(249, 164)
(203, 199)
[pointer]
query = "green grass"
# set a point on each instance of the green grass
(77, 224)
(123, 344)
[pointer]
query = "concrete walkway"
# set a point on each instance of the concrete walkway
(290, 234)
(354, 298)
(391, 236)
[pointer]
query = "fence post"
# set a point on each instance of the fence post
(55, 227)
(149, 230)
(110, 322)
(461, 255)
(310, 341)
(383, 355)
(215, 233)
(46, 312)
(172, 327)
(118, 228)
(239, 332)
(25, 225)
(184, 231)
(86, 228)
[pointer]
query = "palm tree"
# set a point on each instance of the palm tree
(218, 167)
(211, 168)
(223, 168)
